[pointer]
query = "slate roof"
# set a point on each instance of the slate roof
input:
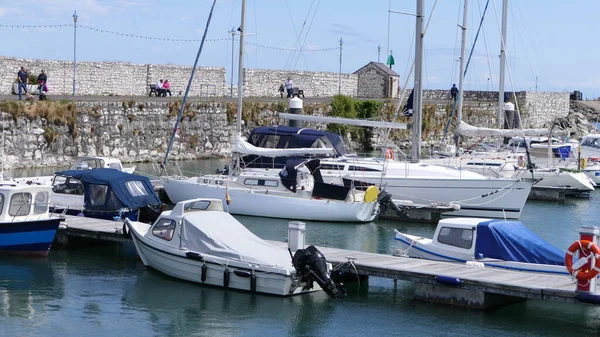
(381, 66)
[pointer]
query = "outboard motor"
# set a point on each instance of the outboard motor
(311, 264)
(386, 203)
(225, 170)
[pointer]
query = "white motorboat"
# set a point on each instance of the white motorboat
(84, 163)
(485, 243)
(106, 194)
(197, 241)
(295, 192)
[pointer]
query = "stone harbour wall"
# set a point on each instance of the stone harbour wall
(266, 82)
(113, 78)
(543, 107)
(132, 132)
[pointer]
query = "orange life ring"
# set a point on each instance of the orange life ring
(389, 154)
(577, 272)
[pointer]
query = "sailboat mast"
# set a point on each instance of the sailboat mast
(189, 85)
(459, 97)
(240, 87)
(418, 87)
(502, 64)
(238, 128)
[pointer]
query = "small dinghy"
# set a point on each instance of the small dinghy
(197, 241)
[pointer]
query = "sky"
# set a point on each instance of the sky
(551, 44)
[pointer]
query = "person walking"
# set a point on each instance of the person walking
(22, 79)
(453, 92)
(289, 86)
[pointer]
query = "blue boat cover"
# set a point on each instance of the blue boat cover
(293, 137)
(512, 241)
(107, 189)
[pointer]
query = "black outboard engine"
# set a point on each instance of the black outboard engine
(386, 203)
(225, 170)
(311, 265)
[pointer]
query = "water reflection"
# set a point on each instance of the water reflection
(178, 308)
(27, 285)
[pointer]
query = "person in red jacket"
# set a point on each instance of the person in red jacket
(166, 88)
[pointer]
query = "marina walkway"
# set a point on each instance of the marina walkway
(477, 286)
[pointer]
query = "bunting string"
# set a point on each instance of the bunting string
(142, 37)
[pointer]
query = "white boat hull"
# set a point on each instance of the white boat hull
(176, 264)
(477, 195)
(271, 203)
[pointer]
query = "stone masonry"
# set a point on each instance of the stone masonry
(265, 82)
(113, 78)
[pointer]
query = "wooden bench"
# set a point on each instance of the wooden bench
(297, 92)
(153, 90)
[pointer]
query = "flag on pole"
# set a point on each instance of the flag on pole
(227, 198)
(390, 61)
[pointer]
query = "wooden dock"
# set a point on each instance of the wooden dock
(474, 287)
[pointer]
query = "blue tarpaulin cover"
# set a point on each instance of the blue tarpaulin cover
(110, 189)
(512, 241)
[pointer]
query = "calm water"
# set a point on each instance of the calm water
(105, 291)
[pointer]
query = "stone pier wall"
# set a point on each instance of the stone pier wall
(265, 82)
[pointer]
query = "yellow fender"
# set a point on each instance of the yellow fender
(371, 194)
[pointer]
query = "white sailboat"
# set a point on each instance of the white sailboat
(421, 183)
(506, 164)
(294, 192)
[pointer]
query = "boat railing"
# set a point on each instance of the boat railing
(162, 169)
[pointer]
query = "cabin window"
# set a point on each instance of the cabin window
(201, 205)
(115, 166)
(67, 185)
(20, 204)
(362, 169)
(271, 142)
(457, 237)
(325, 167)
(136, 188)
(1, 203)
(41, 203)
(261, 182)
(164, 229)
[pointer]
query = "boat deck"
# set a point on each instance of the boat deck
(506, 283)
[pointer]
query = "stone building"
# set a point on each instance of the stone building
(376, 80)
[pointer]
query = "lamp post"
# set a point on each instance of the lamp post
(340, 73)
(74, 50)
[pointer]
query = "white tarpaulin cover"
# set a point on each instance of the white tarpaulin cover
(220, 234)
(243, 147)
(465, 129)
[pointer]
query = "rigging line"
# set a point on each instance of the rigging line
(403, 92)
(476, 37)
(454, 52)
(298, 36)
(487, 53)
(537, 57)
(307, 32)
(187, 90)
(522, 44)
